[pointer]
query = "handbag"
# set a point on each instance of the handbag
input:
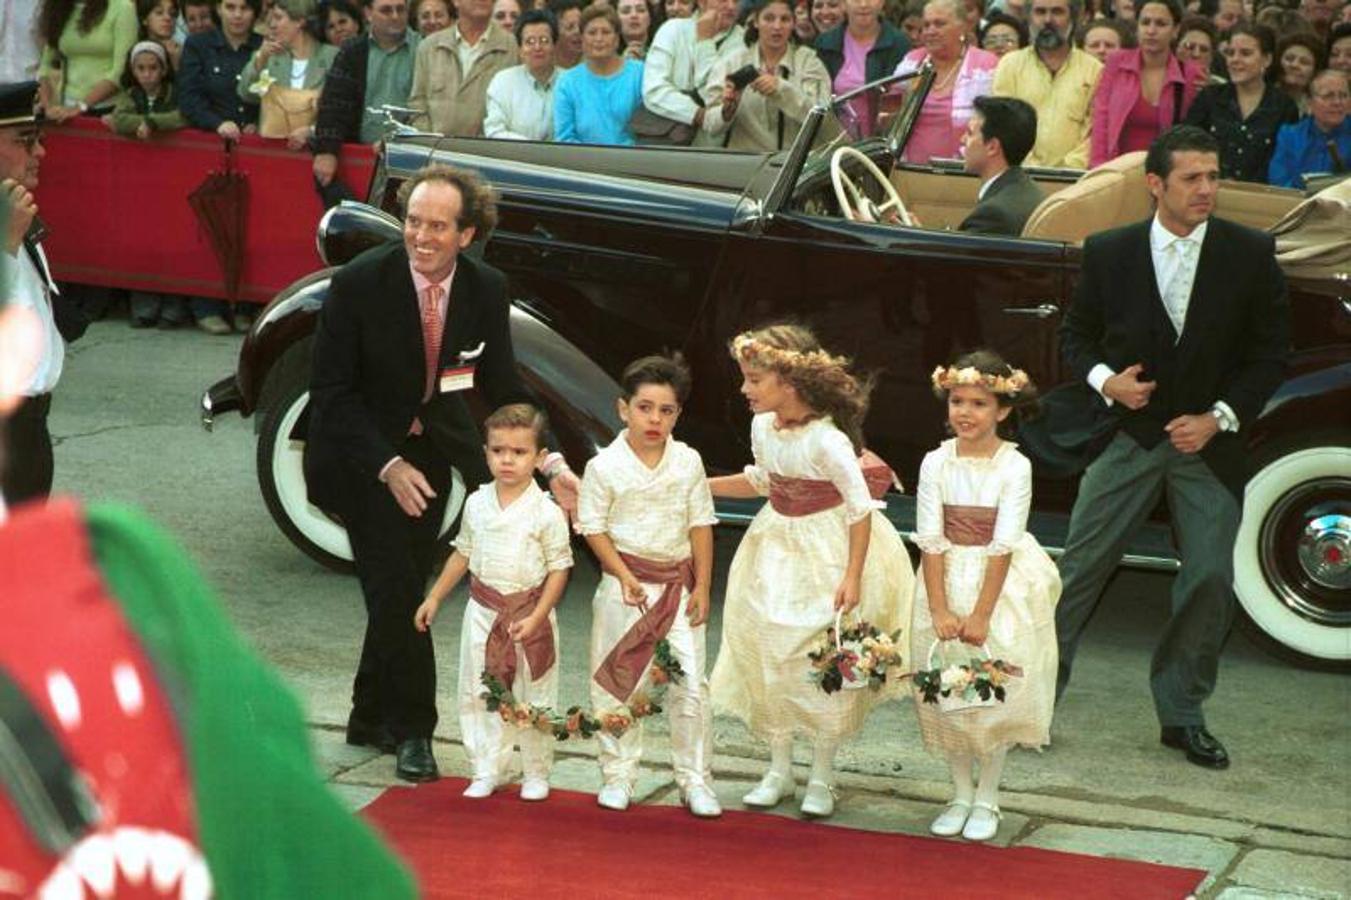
(653, 130)
(284, 109)
(968, 699)
(1073, 427)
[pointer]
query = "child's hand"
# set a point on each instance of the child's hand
(634, 595)
(697, 606)
(524, 629)
(426, 613)
(946, 625)
(847, 595)
(975, 629)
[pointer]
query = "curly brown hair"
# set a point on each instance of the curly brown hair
(478, 200)
(822, 380)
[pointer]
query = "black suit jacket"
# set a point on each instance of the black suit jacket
(71, 321)
(369, 375)
(1234, 343)
(1006, 206)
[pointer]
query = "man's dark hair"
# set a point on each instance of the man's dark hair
(668, 370)
(1178, 139)
(478, 201)
(1010, 121)
(558, 7)
(536, 17)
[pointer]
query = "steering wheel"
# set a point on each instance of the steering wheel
(854, 203)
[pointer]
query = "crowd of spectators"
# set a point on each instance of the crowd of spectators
(1268, 78)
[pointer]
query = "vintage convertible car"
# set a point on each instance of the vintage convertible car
(615, 252)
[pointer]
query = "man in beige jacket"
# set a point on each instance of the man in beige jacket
(453, 69)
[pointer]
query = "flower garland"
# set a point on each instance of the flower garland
(580, 723)
(763, 356)
(862, 656)
(945, 378)
(980, 679)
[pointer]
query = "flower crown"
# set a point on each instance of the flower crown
(949, 377)
(757, 353)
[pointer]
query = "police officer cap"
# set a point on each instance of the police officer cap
(18, 104)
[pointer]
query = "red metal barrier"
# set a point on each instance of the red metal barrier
(117, 209)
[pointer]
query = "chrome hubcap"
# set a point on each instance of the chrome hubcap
(1306, 551)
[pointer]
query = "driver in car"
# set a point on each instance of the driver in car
(999, 135)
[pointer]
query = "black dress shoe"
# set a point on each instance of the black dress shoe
(377, 737)
(415, 761)
(1202, 747)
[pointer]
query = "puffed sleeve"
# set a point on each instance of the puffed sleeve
(755, 473)
(699, 499)
(553, 537)
(464, 541)
(929, 535)
(594, 500)
(840, 464)
(1015, 501)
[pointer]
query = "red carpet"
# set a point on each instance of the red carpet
(569, 847)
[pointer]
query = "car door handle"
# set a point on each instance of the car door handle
(1040, 311)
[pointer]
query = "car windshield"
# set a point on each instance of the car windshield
(881, 110)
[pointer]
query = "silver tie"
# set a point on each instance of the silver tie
(1175, 300)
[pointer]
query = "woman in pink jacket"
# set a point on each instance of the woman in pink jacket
(963, 73)
(1144, 91)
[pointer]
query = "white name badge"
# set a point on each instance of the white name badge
(457, 378)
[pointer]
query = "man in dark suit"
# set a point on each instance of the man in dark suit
(1181, 325)
(407, 329)
(999, 135)
(26, 467)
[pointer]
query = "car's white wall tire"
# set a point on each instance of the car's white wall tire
(1288, 484)
(281, 478)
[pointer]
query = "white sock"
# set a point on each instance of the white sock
(991, 770)
(963, 787)
(781, 755)
(823, 761)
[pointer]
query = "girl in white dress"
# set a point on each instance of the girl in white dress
(819, 546)
(986, 582)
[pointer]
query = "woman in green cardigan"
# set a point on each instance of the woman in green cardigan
(87, 45)
(292, 56)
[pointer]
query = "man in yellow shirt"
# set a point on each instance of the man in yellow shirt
(1058, 80)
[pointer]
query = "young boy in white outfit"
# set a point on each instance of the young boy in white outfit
(647, 513)
(513, 542)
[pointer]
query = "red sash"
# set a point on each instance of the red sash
(969, 526)
(499, 656)
(628, 661)
(806, 496)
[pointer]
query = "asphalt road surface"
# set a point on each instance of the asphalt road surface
(126, 428)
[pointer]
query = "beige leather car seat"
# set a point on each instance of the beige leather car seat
(1112, 194)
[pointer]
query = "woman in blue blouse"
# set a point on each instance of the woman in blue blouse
(594, 102)
(1319, 142)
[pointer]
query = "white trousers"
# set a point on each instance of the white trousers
(488, 741)
(687, 704)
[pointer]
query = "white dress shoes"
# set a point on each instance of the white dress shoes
(950, 821)
(535, 789)
(818, 800)
(771, 790)
(480, 788)
(983, 822)
(701, 801)
(614, 796)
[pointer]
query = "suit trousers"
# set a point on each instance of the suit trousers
(394, 553)
(1116, 495)
(26, 461)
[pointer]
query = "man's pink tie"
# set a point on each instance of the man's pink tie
(431, 342)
